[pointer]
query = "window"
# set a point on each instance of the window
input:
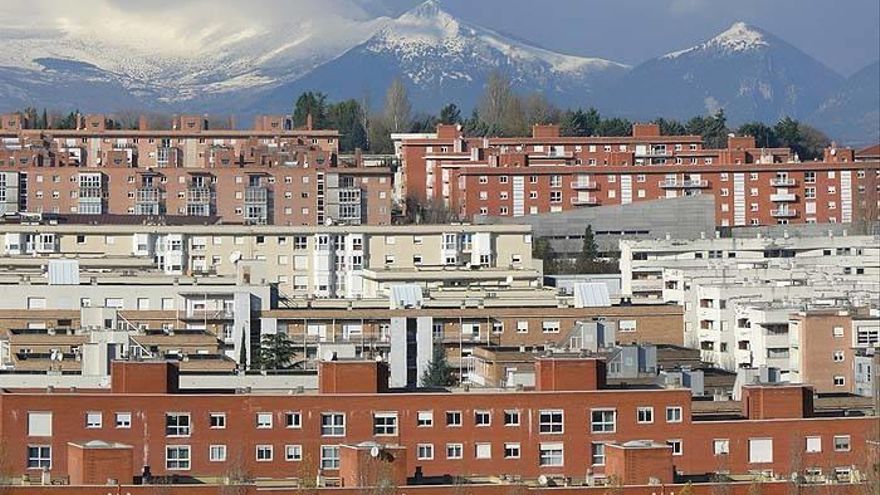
(177, 424)
(551, 454)
(511, 417)
(39, 456)
(425, 419)
(293, 453)
(93, 420)
(177, 457)
(603, 420)
(39, 424)
(839, 381)
(454, 451)
(676, 446)
(217, 453)
(425, 451)
(264, 420)
(645, 415)
(483, 450)
(551, 326)
(333, 424)
(838, 356)
(814, 444)
(264, 453)
(385, 423)
(721, 446)
(673, 414)
(293, 420)
(837, 332)
(123, 420)
(453, 418)
(597, 454)
(482, 418)
(550, 421)
(760, 450)
(522, 326)
(329, 457)
(218, 420)
(511, 450)
(841, 443)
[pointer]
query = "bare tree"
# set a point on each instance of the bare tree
(427, 211)
(236, 477)
(397, 107)
(495, 101)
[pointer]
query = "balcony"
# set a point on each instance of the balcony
(782, 182)
(585, 185)
(91, 192)
(588, 201)
(683, 184)
(208, 314)
(199, 195)
(783, 213)
(148, 195)
(783, 197)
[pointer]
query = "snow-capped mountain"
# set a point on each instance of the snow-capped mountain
(852, 114)
(748, 72)
(442, 59)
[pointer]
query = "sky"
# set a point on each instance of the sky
(844, 34)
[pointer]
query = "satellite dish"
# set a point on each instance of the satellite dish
(542, 480)
(330, 356)
(328, 221)
(374, 451)
(234, 257)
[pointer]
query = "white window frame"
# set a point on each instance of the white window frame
(842, 438)
(425, 451)
(219, 450)
(385, 424)
(512, 417)
(721, 446)
(457, 449)
(644, 415)
(329, 462)
(123, 420)
(263, 448)
(546, 454)
(293, 452)
(425, 419)
(179, 460)
(333, 429)
(603, 423)
(547, 420)
(512, 450)
(674, 411)
(813, 444)
(94, 420)
(221, 420)
(480, 413)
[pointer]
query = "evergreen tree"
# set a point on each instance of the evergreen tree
(276, 351)
(588, 258)
(314, 104)
(44, 121)
(615, 126)
(438, 373)
(542, 250)
(346, 117)
(423, 123)
(670, 127)
(450, 114)
(765, 136)
(242, 352)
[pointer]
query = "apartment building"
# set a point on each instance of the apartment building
(836, 350)
(739, 295)
(563, 429)
(271, 174)
(546, 173)
(318, 262)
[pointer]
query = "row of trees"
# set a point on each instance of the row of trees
(503, 112)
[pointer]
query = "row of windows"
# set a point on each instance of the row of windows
(179, 424)
(179, 457)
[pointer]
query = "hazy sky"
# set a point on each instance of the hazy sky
(843, 34)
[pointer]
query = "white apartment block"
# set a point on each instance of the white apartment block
(738, 294)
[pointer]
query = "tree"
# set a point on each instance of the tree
(397, 107)
(670, 127)
(379, 135)
(713, 129)
(540, 111)
(615, 126)
(276, 351)
(579, 123)
(542, 250)
(427, 211)
(495, 102)
(423, 123)
(765, 136)
(314, 104)
(450, 114)
(346, 117)
(242, 352)
(438, 373)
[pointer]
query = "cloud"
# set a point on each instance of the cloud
(181, 27)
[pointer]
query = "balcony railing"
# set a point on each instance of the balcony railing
(91, 192)
(208, 314)
(783, 213)
(782, 182)
(584, 184)
(199, 195)
(148, 195)
(591, 201)
(783, 197)
(683, 184)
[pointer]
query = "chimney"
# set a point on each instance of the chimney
(143, 123)
(309, 121)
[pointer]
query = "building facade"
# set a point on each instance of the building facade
(547, 173)
(272, 174)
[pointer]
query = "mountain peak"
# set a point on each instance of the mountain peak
(426, 10)
(739, 37)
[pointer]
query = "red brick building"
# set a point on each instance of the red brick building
(272, 174)
(548, 173)
(560, 430)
